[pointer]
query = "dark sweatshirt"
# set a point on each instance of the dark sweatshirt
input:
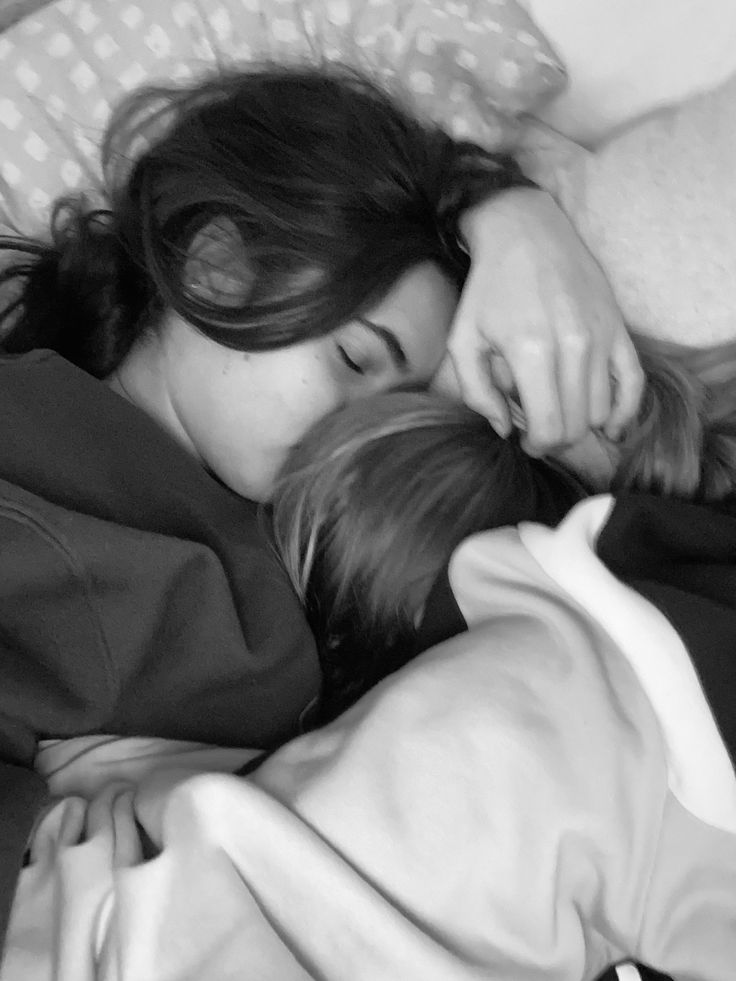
(137, 594)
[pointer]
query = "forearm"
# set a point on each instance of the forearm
(502, 219)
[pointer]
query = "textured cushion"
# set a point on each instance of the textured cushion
(657, 205)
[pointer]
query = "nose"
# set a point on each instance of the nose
(445, 381)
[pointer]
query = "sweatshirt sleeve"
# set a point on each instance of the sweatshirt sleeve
(45, 687)
(22, 796)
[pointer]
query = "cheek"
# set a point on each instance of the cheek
(271, 432)
(257, 409)
(276, 417)
(306, 396)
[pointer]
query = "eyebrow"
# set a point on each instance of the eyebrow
(397, 352)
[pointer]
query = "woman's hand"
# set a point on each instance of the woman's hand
(538, 324)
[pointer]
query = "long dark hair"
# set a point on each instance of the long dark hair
(265, 207)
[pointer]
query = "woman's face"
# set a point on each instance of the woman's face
(240, 413)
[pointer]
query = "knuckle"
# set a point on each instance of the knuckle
(575, 340)
(534, 347)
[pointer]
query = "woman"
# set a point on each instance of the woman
(256, 269)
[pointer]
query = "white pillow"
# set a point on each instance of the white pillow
(627, 57)
(656, 204)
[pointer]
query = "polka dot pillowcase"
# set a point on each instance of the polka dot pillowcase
(473, 66)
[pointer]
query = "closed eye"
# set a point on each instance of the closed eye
(348, 361)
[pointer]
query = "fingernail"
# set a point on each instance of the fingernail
(530, 449)
(500, 426)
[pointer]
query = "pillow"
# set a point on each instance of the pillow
(13, 10)
(628, 57)
(656, 204)
(473, 65)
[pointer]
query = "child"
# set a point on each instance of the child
(373, 502)
(580, 723)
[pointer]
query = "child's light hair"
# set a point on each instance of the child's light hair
(375, 499)
(372, 504)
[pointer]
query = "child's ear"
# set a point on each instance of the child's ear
(218, 267)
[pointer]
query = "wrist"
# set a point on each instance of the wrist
(486, 223)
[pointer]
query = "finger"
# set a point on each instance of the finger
(99, 816)
(518, 419)
(629, 379)
(573, 373)
(599, 395)
(478, 390)
(531, 449)
(501, 377)
(62, 824)
(504, 382)
(127, 843)
(532, 364)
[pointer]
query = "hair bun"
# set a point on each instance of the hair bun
(83, 294)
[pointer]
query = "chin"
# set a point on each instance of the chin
(258, 491)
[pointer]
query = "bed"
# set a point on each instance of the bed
(325, 862)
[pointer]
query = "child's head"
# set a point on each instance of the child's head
(372, 504)
(259, 213)
(374, 500)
